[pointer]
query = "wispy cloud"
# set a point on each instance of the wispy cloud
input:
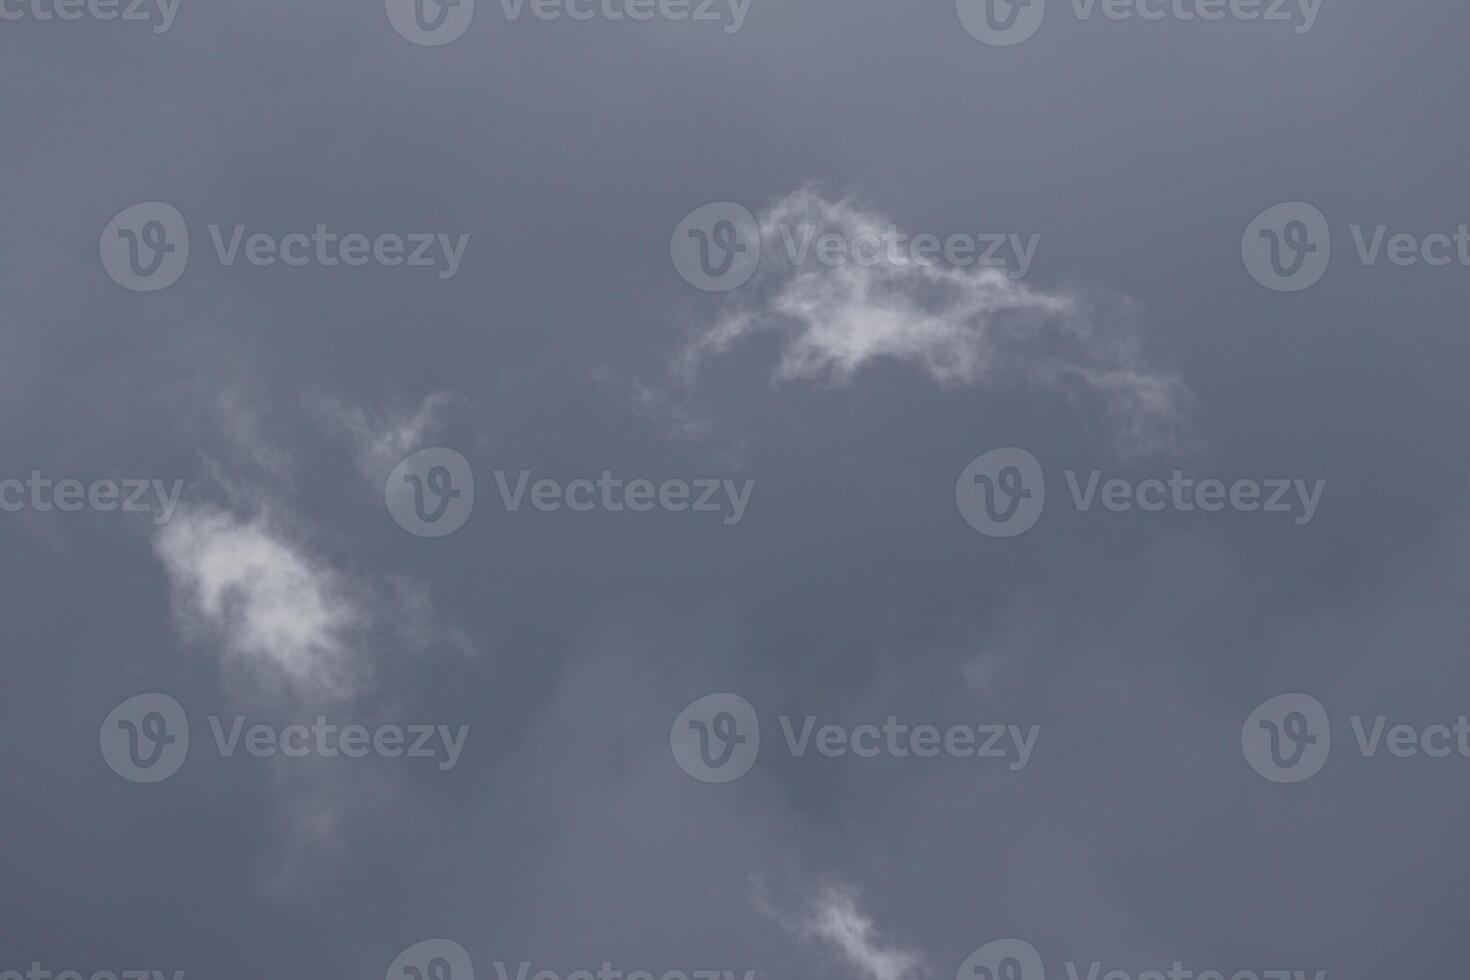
(832, 919)
(246, 575)
(961, 325)
(268, 601)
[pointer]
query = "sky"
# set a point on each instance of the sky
(734, 490)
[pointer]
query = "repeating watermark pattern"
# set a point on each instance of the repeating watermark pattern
(145, 248)
(717, 738)
(145, 739)
(432, 23)
(432, 492)
(128, 496)
(1002, 494)
(1288, 247)
(606, 971)
(612, 494)
(445, 959)
(1017, 959)
(432, 959)
(158, 14)
(1003, 23)
(1288, 738)
(1003, 959)
(717, 248)
(38, 972)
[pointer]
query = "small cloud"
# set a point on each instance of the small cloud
(974, 325)
(836, 921)
(274, 606)
(832, 918)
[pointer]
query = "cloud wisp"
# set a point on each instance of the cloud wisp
(831, 919)
(962, 325)
(271, 604)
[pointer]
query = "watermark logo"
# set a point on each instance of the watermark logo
(44, 495)
(145, 248)
(1003, 959)
(1001, 23)
(730, 14)
(159, 13)
(717, 738)
(1006, 22)
(1287, 247)
(1016, 959)
(1287, 738)
(717, 247)
(430, 23)
(432, 959)
(146, 738)
(613, 494)
(1002, 493)
(39, 972)
(431, 493)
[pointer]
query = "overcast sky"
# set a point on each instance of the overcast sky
(933, 240)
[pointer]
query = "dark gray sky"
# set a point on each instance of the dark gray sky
(851, 588)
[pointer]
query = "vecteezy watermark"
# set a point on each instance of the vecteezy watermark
(706, 495)
(717, 738)
(1006, 22)
(1002, 494)
(145, 739)
(445, 959)
(1287, 738)
(1287, 247)
(431, 23)
(145, 248)
(159, 14)
(44, 495)
(606, 971)
(1016, 959)
(717, 247)
(38, 972)
(431, 494)
(432, 959)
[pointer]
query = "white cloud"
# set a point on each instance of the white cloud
(272, 604)
(836, 921)
(972, 325)
(832, 918)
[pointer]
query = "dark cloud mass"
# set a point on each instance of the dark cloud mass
(841, 588)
